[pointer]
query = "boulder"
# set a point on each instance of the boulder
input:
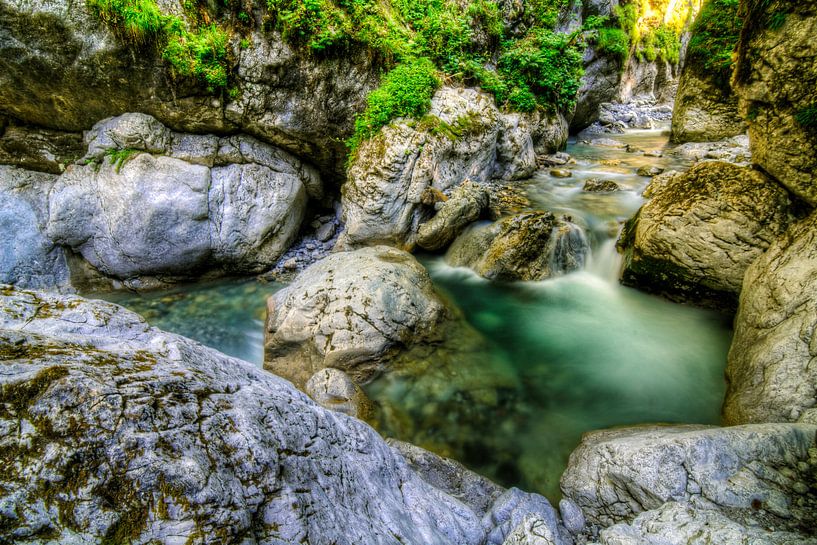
(764, 471)
(528, 246)
(519, 515)
(466, 204)
(700, 230)
(117, 432)
(649, 171)
(464, 137)
(28, 258)
(597, 185)
(771, 372)
(731, 150)
(335, 390)
(353, 311)
(775, 77)
(677, 523)
(704, 111)
(149, 202)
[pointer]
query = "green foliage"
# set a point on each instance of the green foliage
(777, 19)
(807, 117)
(627, 17)
(201, 52)
(668, 43)
(119, 157)
(406, 91)
(543, 69)
(614, 42)
(595, 22)
(714, 36)
(545, 13)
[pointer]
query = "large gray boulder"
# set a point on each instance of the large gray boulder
(529, 246)
(744, 472)
(775, 78)
(353, 311)
(28, 258)
(151, 202)
(116, 432)
(700, 230)
(772, 367)
(703, 111)
(464, 137)
(69, 70)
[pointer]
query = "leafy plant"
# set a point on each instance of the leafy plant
(119, 157)
(807, 117)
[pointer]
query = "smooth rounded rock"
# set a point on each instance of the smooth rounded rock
(335, 390)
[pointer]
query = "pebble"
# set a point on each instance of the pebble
(560, 173)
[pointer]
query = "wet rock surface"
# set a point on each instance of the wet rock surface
(166, 439)
(529, 246)
(701, 230)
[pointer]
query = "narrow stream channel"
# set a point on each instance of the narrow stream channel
(572, 354)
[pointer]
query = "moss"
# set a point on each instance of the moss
(714, 36)
(807, 117)
(21, 395)
(119, 157)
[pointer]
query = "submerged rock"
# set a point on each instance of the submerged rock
(700, 231)
(771, 374)
(597, 185)
(28, 258)
(649, 171)
(675, 478)
(775, 77)
(464, 137)
(353, 311)
(529, 246)
(117, 432)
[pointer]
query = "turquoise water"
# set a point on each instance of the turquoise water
(560, 357)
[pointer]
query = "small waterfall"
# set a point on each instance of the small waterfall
(570, 250)
(606, 262)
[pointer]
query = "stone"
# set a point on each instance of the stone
(450, 476)
(135, 131)
(700, 230)
(255, 214)
(615, 475)
(560, 173)
(467, 203)
(528, 246)
(28, 258)
(153, 437)
(654, 153)
(572, 516)
(352, 311)
(335, 390)
(775, 77)
(533, 530)
(395, 174)
(608, 143)
(42, 150)
(731, 150)
(649, 171)
(771, 373)
(508, 518)
(325, 232)
(677, 523)
(597, 185)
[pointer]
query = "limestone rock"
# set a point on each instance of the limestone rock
(649, 171)
(533, 530)
(334, 390)
(28, 259)
(351, 311)
(572, 516)
(596, 185)
(37, 149)
(681, 523)
(467, 203)
(701, 230)
(464, 137)
(560, 173)
(775, 78)
(114, 431)
(704, 111)
(771, 374)
(519, 515)
(529, 246)
(450, 476)
(731, 150)
(744, 471)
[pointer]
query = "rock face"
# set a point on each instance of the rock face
(731, 150)
(771, 374)
(666, 481)
(352, 311)
(467, 203)
(51, 75)
(464, 137)
(117, 432)
(701, 230)
(530, 246)
(703, 111)
(151, 202)
(333, 389)
(39, 149)
(775, 78)
(27, 257)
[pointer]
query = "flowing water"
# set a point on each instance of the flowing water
(560, 357)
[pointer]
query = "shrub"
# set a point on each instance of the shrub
(614, 42)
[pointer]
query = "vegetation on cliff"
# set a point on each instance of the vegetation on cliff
(714, 36)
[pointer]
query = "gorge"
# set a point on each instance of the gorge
(461, 271)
